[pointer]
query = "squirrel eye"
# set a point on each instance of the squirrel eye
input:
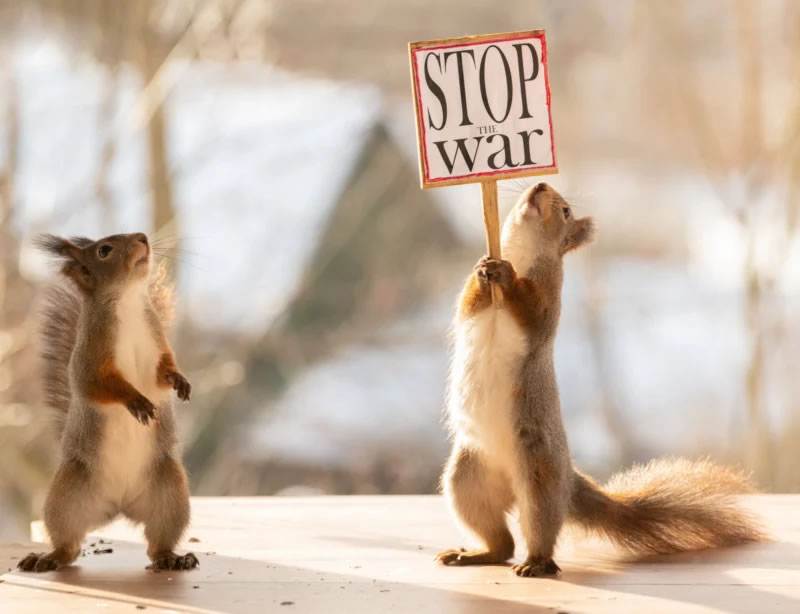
(104, 251)
(566, 212)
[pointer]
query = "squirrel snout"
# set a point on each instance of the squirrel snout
(142, 238)
(541, 187)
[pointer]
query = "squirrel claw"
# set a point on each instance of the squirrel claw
(38, 562)
(143, 410)
(532, 568)
(172, 561)
(484, 259)
(180, 385)
(495, 271)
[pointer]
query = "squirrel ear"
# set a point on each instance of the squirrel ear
(81, 241)
(581, 233)
(71, 252)
(59, 247)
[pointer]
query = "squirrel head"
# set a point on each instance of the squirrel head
(97, 266)
(542, 223)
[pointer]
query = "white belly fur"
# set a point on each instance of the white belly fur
(128, 447)
(487, 355)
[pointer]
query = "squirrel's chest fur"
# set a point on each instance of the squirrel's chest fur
(136, 352)
(128, 447)
(489, 349)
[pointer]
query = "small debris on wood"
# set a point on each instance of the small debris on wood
(287, 602)
(194, 540)
(419, 547)
(140, 607)
(209, 553)
(93, 544)
(103, 551)
(196, 586)
(385, 590)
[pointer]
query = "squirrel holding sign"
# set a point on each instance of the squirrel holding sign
(108, 374)
(510, 449)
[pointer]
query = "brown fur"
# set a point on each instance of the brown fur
(667, 506)
(169, 375)
(475, 297)
(79, 333)
(60, 317)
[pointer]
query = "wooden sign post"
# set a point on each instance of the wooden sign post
(482, 107)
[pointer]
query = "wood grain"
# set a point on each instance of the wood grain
(491, 221)
(374, 554)
(478, 38)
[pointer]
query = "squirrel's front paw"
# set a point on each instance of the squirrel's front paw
(142, 409)
(495, 271)
(179, 384)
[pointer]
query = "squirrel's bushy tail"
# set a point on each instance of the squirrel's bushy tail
(62, 309)
(668, 505)
(60, 315)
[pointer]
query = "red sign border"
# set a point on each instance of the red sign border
(415, 48)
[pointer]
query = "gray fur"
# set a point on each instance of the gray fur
(79, 331)
(667, 506)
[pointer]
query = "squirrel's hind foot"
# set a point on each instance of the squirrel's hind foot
(470, 557)
(40, 562)
(534, 567)
(170, 560)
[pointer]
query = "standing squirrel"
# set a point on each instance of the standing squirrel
(108, 374)
(509, 446)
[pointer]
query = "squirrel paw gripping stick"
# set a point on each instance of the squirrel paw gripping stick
(108, 375)
(509, 446)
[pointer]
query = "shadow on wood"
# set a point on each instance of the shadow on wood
(374, 554)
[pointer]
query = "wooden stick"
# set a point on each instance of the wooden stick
(491, 220)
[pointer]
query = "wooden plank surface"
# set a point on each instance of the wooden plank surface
(374, 554)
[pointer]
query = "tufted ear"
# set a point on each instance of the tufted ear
(580, 233)
(70, 252)
(81, 241)
(58, 246)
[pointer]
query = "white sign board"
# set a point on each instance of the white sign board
(482, 105)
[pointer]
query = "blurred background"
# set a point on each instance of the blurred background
(271, 143)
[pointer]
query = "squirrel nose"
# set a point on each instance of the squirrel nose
(141, 237)
(540, 187)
